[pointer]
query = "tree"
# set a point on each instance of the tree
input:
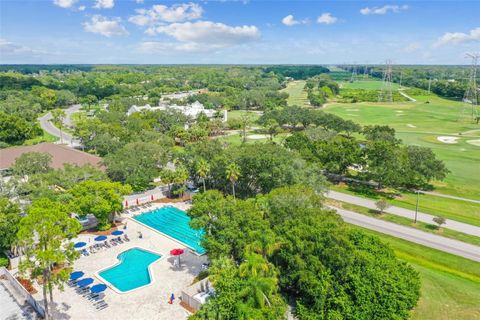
(136, 163)
(180, 177)
(88, 100)
(43, 233)
(58, 115)
(382, 205)
(15, 130)
(245, 119)
(30, 163)
(439, 220)
(9, 223)
(103, 199)
(273, 128)
(203, 169)
(233, 173)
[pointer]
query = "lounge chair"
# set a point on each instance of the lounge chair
(106, 244)
(119, 239)
(113, 242)
(126, 238)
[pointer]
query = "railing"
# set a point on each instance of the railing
(22, 291)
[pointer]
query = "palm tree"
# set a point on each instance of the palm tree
(203, 169)
(265, 244)
(261, 279)
(233, 173)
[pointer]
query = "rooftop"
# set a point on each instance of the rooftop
(61, 154)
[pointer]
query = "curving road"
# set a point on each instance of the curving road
(455, 247)
(64, 137)
(410, 214)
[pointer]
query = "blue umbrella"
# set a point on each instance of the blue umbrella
(84, 282)
(98, 288)
(100, 238)
(79, 244)
(76, 275)
(117, 233)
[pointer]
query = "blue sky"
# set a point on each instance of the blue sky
(246, 32)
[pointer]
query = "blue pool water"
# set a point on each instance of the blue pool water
(174, 223)
(132, 271)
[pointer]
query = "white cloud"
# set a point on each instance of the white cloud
(81, 8)
(208, 32)
(64, 3)
(105, 27)
(161, 13)
(327, 18)
(290, 21)
(172, 47)
(383, 10)
(412, 47)
(139, 1)
(458, 37)
(104, 4)
(200, 36)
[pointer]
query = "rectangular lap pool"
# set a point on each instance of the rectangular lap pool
(173, 223)
(131, 272)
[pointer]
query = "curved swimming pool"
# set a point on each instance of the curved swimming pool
(132, 270)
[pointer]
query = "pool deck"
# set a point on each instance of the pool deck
(149, 302)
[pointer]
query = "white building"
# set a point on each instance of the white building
(192, 110)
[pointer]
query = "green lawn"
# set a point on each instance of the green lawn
(236, 114)
(421, 124)
(365, 84)
(450, 284)
(296, 94)
(45, 137)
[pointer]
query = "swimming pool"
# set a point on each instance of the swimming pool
(173, 223)
(132, 270)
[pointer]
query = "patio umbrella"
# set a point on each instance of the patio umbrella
(100, 238)
(98, 288)
(117, 233)
(177, 253)
(126, 203)
(79, 245)
(84, 282)
(76, 275)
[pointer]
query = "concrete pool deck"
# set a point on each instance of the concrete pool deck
(149, 302)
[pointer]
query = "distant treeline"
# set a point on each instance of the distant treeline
(297, 72)
(36, 68)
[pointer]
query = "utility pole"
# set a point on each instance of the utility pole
(416, 206)
(386, 94)
(354, 73)
(470, 99)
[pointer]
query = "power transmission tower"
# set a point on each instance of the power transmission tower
(386, 94)
(470, 99)
(365, 72)
(354, 73)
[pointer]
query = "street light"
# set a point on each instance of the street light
(416, 207)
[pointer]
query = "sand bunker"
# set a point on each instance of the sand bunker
(474, 142)
(258, 136)
(411, 125)
(447, 139)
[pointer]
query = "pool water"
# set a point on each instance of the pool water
(132, 271)
(174, 223)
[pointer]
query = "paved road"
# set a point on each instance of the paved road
(424, 217)
(455, 247)
(436, 194)
(47, 125)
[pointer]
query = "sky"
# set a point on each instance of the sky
(237, 32)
